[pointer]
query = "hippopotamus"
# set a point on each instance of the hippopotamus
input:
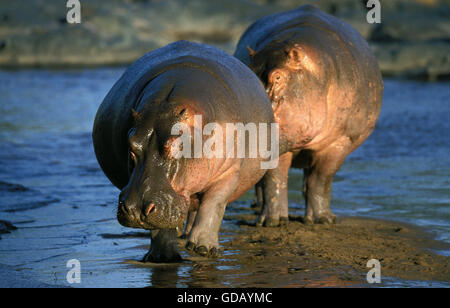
(326, 92)
(136, 130)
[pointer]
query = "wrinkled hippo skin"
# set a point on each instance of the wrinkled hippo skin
(133, 139)
(326, 92)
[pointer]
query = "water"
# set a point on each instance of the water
(52, 189)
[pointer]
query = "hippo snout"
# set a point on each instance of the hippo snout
(127, 213)
(162, 213)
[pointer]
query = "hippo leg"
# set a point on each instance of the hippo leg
(192, 213)
(163, 248)
(259, 199)
(189, 223)
(317, 182)
(275, 194)
(204, 236)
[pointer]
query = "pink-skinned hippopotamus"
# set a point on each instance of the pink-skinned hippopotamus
(326, 92)
(134, 143)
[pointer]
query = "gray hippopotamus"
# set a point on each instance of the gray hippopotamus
(326, 92)
(136, 138)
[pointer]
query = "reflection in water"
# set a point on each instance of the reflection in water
(207, 275)
(189, 273)
(164, 276)
(52, 189)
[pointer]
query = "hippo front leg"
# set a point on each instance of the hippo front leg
(163, 248)
(189, 223)
(275, 194)
(204, 236)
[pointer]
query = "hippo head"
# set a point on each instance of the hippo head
(149, 200)
(283, 68)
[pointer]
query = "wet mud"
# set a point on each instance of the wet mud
(305, 255)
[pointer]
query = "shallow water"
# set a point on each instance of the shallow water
(52, 189)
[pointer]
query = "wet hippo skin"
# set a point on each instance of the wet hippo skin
(133, 140)
(326, 92)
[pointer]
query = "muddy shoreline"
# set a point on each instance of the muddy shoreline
(301, 255)
(296, 255)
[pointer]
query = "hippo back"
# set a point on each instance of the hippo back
(330, 34)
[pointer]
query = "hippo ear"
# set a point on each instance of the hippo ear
(251, 52)
(298, 59)
(136, 116)
(185, 114)
(295, 57)
(178, 144)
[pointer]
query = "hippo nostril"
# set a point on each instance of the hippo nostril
(123, 208)
(149, 208)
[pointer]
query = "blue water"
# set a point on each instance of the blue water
(52, 189)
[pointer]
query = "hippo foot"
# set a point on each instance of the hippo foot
(267, 222)
(203, 242)
(163, 248)
(284, 221)
(158, 257)
(324, 219)
(272, 222)
(202, 250)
